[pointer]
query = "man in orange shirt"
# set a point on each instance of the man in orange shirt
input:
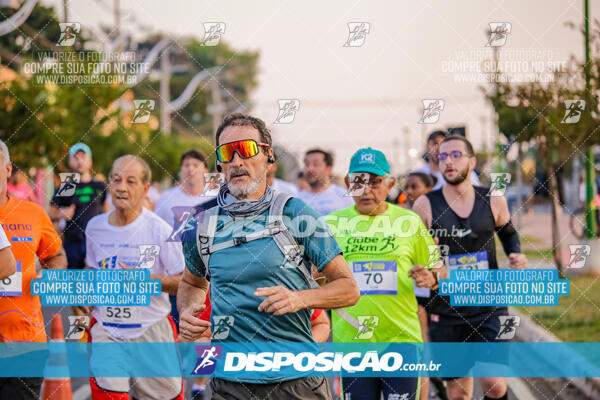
(31, 233)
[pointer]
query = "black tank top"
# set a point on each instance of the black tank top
(474, 234)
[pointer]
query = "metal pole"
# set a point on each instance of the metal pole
(217, 100)
(165, 95)
(66, 10)
(519, 168)
(117, 18)
(589, 159)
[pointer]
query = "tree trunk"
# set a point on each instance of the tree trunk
(556, 211)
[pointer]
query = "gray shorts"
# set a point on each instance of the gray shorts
(298, 389)
(158, 388)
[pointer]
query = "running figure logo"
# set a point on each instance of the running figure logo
(508, 326)
(77, 326)
(294, 255)
(68, 183)
(181, 216)
(498, 33)
(68, 33)
(398, 396)
(436, 252)
(222, 326)
(499, 183)
(143, 109)
(573, 110)
(287, 111)
(212, 33)
(148, 255)
(357, 33)
(358, 182)
(214, 181)
(579, 254)
(432, 108)
(368, 323)
(207, 359)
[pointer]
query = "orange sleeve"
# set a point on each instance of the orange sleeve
(50, 242)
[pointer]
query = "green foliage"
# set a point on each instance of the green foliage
(41, 120)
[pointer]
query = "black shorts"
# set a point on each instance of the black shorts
(75, 254)
(311, 388)
(481, 331)
(423, 301)
(20, 388)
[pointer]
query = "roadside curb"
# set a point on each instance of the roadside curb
(529, 331)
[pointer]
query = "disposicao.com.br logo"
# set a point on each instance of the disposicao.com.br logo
(371, 361)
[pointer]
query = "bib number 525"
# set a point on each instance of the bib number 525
(118, 312)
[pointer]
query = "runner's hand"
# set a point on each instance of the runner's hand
(206, 336)
(82, 310)
(422, 276)
(279, 300)
(192, 328)
(517, 260)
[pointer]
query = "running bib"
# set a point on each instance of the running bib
(376, 277)
(12, 285)
(477, 260)
(120, 317)
(422, 291)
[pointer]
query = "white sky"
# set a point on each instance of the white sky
(353, 97)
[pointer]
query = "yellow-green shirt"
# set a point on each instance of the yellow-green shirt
(381, 250)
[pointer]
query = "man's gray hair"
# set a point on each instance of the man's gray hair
(4, 152)
(146, 172)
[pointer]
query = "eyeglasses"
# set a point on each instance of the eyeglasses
(455, 155)
(372, 182)
(245, 148)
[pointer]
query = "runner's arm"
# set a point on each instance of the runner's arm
(507, 233)
(191, 295)
(169, 283)
(423, 207)
(340, 291)
(8, 265)
(320, 327)
(57, 213)
(57, 260)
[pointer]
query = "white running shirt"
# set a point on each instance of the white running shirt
(108, 245)
(327, 201)
(173, 204)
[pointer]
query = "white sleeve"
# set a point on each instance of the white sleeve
(171, 255)
(475, 179)
(90, 257)
(4, 242)
(163, 210)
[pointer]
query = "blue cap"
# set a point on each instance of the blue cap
(80, 147)
(369, 160)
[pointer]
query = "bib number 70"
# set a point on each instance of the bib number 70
(377, 277)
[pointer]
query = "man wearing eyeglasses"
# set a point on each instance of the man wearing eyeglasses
(469, 217)
(432, 167)
(388, 249)
(264, 294)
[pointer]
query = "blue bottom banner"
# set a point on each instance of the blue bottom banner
(271, 362)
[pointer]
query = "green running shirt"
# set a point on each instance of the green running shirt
(381, 250)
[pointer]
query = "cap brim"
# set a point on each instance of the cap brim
(372, 170)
